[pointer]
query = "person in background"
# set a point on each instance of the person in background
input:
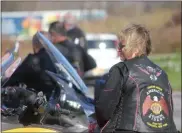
(73, 54)
(74, 32)
(136, 95)
(77, 35)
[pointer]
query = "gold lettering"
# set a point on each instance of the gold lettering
(159, 126)
(157, 87)
(154, 126)
(153, 123)
(153, 86)
(165, 125)
(156, 123)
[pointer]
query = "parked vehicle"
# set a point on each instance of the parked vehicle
(102, 47)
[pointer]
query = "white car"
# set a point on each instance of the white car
(102, 47)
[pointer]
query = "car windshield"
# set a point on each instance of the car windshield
(61, 62)
(98, 44)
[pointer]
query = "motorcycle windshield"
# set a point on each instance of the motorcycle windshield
(7, 60)
(62, 63)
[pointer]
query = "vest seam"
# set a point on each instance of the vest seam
(137, 95)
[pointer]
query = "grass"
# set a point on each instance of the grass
(171, 63)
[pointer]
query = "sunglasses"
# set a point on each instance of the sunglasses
(120, 47)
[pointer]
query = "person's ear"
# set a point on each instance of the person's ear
(135, 53)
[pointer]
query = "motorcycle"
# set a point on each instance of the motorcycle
(74, 110)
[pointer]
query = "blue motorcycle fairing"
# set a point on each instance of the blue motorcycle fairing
(6, 64)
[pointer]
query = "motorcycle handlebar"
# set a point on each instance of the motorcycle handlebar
(65, 112)
(58, 109)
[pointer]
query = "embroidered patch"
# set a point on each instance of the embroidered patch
(153, 73)
(154, 108)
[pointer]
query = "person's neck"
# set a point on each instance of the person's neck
(62, 39)
(38, 50)
(61, 42)
(136, 57)
(132, 56)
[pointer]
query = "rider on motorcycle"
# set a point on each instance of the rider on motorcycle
(33, 72)
(41, 54)
(136, 95)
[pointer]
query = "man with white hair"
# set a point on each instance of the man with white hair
(74, 32)
(128, 99)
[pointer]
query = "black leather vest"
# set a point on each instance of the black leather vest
(145, 104)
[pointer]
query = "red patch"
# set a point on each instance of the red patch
(164, 106)
(148, 104)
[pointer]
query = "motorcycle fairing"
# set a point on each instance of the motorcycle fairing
(6, 63)
(85, 102)
(7, 127)
(8, 58)
(29, 129)
(13, 67)
(5, 57)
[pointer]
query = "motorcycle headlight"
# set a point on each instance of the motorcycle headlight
(63, 98)
(74, 104)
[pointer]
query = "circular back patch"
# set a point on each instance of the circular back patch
(154, 108)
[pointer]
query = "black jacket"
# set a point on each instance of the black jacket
(44, 60)
(76, 32)
(136, 96)
(76, 55)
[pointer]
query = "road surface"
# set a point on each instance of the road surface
(177, 109)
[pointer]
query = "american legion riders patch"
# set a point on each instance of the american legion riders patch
(154, 108)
